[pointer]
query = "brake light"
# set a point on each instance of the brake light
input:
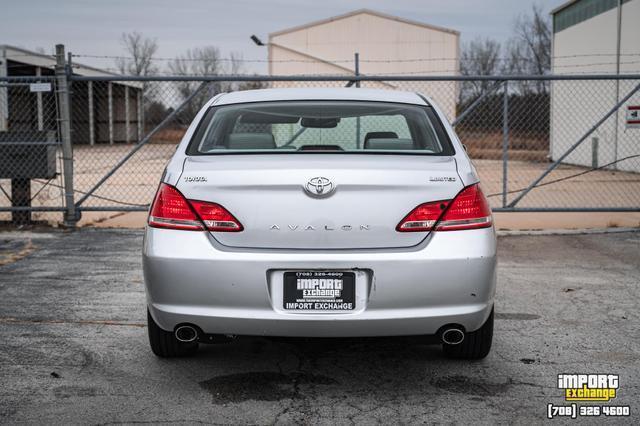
(172, 210)
(468, 210)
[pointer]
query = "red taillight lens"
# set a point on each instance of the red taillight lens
(172, 210)
(216, 218)
(468, 210)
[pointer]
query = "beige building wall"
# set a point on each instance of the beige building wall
(386, 45)
(589, 47)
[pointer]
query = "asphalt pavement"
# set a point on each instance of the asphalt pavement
(73, 344)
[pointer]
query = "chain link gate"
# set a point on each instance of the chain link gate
(539, 143)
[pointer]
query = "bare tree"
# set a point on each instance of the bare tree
(138, 61)
(200, 61)
(205, 61)
(140, 51)
(529, 50)
(479, 57)
(235, 63)
(252, 85)
(235, 67)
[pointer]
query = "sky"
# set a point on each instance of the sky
(93, 27)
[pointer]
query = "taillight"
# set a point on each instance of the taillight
(468, 210)
(172, 210)
(423, 218)
(215, 217)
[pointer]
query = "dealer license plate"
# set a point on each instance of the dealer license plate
(319, 291)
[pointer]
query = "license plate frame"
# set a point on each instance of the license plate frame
(334, 291)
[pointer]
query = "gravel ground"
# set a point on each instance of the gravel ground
(74, 346)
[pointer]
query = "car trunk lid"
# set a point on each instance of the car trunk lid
(272, 198)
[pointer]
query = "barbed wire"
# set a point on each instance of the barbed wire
(376, 61)
(379, 61)
(81, 55)
(362, 60)
(419, 72)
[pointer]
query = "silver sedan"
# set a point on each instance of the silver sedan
(320, 213)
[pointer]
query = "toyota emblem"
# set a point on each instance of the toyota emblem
(319, 187)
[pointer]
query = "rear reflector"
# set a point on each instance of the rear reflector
(468, 210)
(172, 210)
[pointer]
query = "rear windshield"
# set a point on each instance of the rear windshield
(320, 126)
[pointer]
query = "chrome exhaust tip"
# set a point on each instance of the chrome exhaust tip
(186, 333)
(452, 336)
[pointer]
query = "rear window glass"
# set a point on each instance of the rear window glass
(320, 126)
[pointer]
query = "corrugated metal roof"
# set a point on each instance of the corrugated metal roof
(563, 6)
(577, 11)
(28, 57)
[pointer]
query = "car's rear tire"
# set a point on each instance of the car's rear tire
(164, 344)
(476, 345)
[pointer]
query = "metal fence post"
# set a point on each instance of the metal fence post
(356, 58)
(505, 141)
(64, 118)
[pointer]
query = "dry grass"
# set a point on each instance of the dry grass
(13, 255)
(484, 145)
(168, 136)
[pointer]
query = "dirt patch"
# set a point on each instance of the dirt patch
(471, 386)
(260, 386)
(64, 392)
(14, 250)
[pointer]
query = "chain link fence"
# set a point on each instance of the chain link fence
(539, 143)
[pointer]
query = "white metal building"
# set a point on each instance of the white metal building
(595, 37)
(386, 45)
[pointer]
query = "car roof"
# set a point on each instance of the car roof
(319, 94)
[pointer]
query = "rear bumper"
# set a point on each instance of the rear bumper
(449, 279)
